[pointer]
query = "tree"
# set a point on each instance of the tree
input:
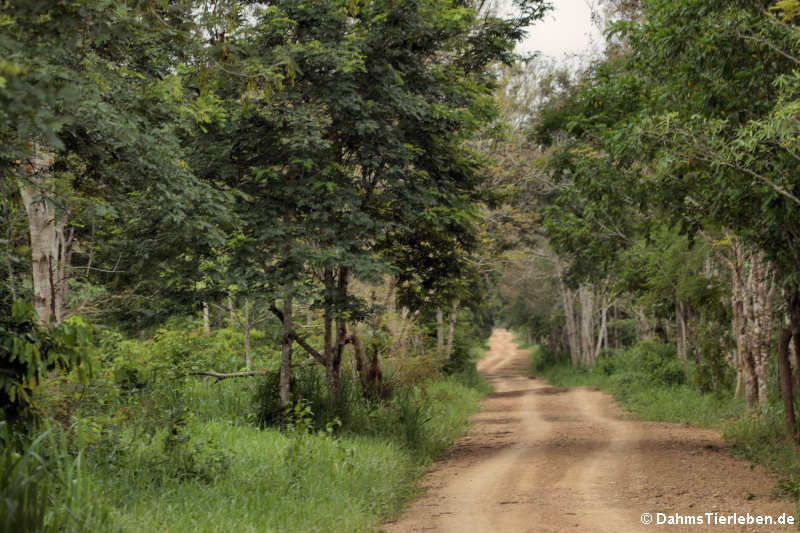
(690, 119)
(355, 165)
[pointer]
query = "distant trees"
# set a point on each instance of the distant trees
(687, 126)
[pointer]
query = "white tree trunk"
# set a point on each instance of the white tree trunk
(753, 323)
(570, 324)
(744, 379)
(206, 320)
(439, 331)
(451, 329)
(586, 297)
(602, 331)
(643, 324)
(762, 292)
(682, 337)
(248, 354)
(50, 247)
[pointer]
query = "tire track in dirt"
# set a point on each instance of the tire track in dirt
(542, 459)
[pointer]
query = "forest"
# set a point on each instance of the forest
(252, 251)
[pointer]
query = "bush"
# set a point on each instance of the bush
(544, 358)
(28, 352)
(713, 373)
(309, 388)
(652, 362)
(461, 359)
(266, 401)
(605, 366)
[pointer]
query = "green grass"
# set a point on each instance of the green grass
(44, 488)
(646, 401)
(166, 452)
(297, 481)
(276, 483)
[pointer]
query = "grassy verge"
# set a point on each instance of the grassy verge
(300, 480)
(145, 447)
(647, 381)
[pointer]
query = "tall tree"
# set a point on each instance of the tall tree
(90, 109)
(348, 147)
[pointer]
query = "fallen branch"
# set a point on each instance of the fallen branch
(219, 377)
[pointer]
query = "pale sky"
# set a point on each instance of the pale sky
(567, 30)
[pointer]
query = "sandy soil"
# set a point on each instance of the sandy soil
(542, 459)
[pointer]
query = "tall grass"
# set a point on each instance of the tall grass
(275, 482)
(44, 488)
(152, 448)
(301, 481)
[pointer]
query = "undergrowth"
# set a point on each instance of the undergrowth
(147, 446)
(161, 450)
(304, 477)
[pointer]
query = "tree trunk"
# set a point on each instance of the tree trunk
(50, 248)
(451, 329)
(760, 289)
(746, 303)
(602, 331)
(794, 358)
(746, 355)
(286, 352)
(586, 297)
(787, 392)
(570, 322)
(682, 337)
(439, 331)
(206, 320)
(405, 323)
(359, 356)
(248, 354)
(739, 381)
(327, 340)
(743, 365)
(334, 348)
(643, 324)
(793, 305)
(571, 325)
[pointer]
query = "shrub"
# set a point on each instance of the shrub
(266, 401)
(544, 357)
(657, 362)
(28, 352)
(309, 388)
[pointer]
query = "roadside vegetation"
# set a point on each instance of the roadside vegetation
(241, 254)
(150, 447)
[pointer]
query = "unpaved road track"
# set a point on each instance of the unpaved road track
(541, 459)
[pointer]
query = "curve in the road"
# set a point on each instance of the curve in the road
(543, 459)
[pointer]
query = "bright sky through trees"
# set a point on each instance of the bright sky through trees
(568, 30)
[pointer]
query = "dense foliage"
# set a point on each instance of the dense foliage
(193, 190)
(664, 176)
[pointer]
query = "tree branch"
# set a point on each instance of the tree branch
(219, 376)
(307, 347)
(300, 340)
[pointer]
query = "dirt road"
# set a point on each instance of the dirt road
(542, 459)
